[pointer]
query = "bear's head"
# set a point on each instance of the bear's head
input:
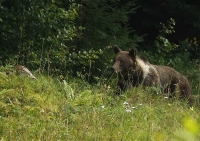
(124, 61)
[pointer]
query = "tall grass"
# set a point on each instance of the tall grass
(53, 109)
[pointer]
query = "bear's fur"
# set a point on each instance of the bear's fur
(134, 70)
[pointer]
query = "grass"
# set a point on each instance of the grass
(53, 109)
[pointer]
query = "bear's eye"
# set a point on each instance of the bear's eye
(122, 61)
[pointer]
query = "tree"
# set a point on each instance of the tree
(151, 13)
(106, 24)
(36, 33)
(64, 35)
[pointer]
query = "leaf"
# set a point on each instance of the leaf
(20, 28)
(4, 91)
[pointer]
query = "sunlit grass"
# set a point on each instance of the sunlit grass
(53, 109)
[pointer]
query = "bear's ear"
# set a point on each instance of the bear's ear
(133, 52)
(116, 49)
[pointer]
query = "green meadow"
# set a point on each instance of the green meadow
(70, 109)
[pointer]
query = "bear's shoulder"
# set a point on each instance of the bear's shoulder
(143, 58)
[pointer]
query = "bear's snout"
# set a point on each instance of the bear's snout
(112, 69)
(115, 68)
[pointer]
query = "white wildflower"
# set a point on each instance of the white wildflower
(128, 111)
(102, 106)
(125, 103)
(42, 111)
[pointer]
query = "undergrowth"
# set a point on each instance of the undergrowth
(71, 109)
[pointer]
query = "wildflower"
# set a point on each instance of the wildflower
(42, 111)
(133, 107)
(128, 111)
(61, 77)
(140, 104)
(165, 97)
(125, 103)
(102, 106)
(192, 108)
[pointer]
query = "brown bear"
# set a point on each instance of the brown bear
(134, 70)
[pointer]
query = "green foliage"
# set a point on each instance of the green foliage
(103, 21)
(36, 33)
(162, 44)
(106, 24)
(168, 53)
(163, 48)
(68, 90)
(190, 131)
(64, 37)
(46, 110)
(151, 13)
